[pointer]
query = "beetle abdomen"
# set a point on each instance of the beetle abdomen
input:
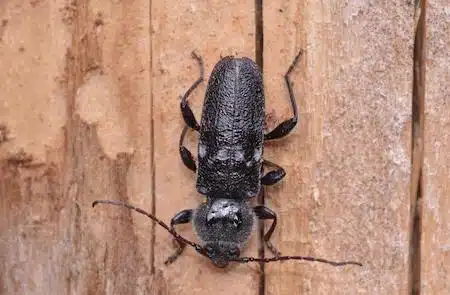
(231, 136)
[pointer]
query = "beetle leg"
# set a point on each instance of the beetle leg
(185, 154)
(186, 110)
(181, 217)
(273, 176)
(262, 212)
(286, 127)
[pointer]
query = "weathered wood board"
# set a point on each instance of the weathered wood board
(75, 101)
(89, 109)
(435, 246)
(346, 193)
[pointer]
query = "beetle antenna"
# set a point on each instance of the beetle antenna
(283, 258)
(177, 236)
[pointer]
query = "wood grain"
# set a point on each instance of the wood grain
(89, 109)
(212, 29)
(346, 193)
(32, 114)
(436, 170)
(77, 107)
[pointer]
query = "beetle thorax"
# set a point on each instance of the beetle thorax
(224, 220)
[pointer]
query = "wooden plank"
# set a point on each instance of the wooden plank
(435, 246)
(32, 113)
(346, 193)
(212, 29)
(78, 111)
(75, 121)
(120, 109)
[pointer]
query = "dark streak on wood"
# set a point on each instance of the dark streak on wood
(418, 113)
(261, 246)
(3, 25)
(259, 33)
(259, 56)
(4, 133)
(20, 159)
(30, 207)
(152, 149)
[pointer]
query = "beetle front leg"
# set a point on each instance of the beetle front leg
(262, 212)
(181, 217)
(286, 127)
(185, 154)
(273, 176)
(186, 110)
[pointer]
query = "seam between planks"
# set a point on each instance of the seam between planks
(417, 155)
(152, 144)
(259, 58)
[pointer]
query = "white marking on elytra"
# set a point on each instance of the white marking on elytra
(239, 154)
(258, 154)
(222, 155)
(201, 150)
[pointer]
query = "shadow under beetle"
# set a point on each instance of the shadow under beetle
(230, 163)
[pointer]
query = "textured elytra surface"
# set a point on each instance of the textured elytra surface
(231, 135)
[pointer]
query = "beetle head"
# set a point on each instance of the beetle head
(222, 253)
(223, 226)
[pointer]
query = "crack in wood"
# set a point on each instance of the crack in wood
(152, 147)
(418, 111)
(259, 58)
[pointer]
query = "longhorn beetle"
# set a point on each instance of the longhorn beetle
(230, 163)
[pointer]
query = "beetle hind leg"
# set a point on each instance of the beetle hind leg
(286, 127)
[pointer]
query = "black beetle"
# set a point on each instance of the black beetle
(230, 163)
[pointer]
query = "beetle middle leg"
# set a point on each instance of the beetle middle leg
(273, 176)
(286, 127)
(185, 154)
(181, 217)
(262, 212)
(186, 110)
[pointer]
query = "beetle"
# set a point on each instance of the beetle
(230, 163)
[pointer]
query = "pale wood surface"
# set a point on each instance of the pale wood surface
(89, 109)
(436, 170)
(346, 193)
(76, 102)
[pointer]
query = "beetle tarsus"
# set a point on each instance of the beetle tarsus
(182, 217)
(179, 250)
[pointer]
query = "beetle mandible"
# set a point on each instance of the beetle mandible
(230, 163)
